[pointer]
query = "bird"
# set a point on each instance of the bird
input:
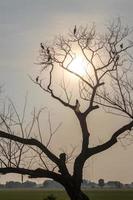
(37, 78)
(121, 46)
(117, 58)
(75, 29)
(48, 51)
(49, 57)
(113, 52)
(87, 41)
(77, 105)
(41, 45)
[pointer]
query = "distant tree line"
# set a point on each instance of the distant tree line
(16, 184)
(50, 184)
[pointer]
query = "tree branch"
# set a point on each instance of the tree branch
(33, 142)
(111, 141)
(37, 173)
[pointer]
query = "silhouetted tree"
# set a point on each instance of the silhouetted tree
(106, 83)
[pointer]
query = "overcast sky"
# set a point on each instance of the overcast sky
(26, 23)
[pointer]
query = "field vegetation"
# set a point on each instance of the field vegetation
(61, 195)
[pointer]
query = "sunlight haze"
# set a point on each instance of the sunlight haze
(24, 24)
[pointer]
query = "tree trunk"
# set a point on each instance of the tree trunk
(76, 195)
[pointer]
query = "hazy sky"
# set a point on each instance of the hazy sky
(26, 23)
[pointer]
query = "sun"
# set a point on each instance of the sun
(78, 65)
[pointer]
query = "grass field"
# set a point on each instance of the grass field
(41, 194)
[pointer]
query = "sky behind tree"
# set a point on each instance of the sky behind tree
(26, 23)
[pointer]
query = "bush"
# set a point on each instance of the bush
(50, 197)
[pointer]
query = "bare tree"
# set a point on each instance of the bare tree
(106, 82)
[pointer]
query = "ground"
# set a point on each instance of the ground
(61, 195)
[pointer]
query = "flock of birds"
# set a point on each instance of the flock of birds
(49, 59)
(48, 54)
(48, 51)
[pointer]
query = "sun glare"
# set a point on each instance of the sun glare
(78, 65)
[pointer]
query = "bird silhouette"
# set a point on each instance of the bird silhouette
(48, 51)
(49, 57)
(117, 58)
(87, 41)
(37, 78)
(121, 46)
(41, 45)
(113, 52)
(75, 29)
(77, 105)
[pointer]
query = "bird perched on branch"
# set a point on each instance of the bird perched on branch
(37, 78)
(87, 41)
(77, 105)
(48, 51)
(117, 58)
(49, 57)
(113, 52)
(41, 45)
(121, 46)
(75, 30)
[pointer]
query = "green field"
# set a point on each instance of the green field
(41, 194)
